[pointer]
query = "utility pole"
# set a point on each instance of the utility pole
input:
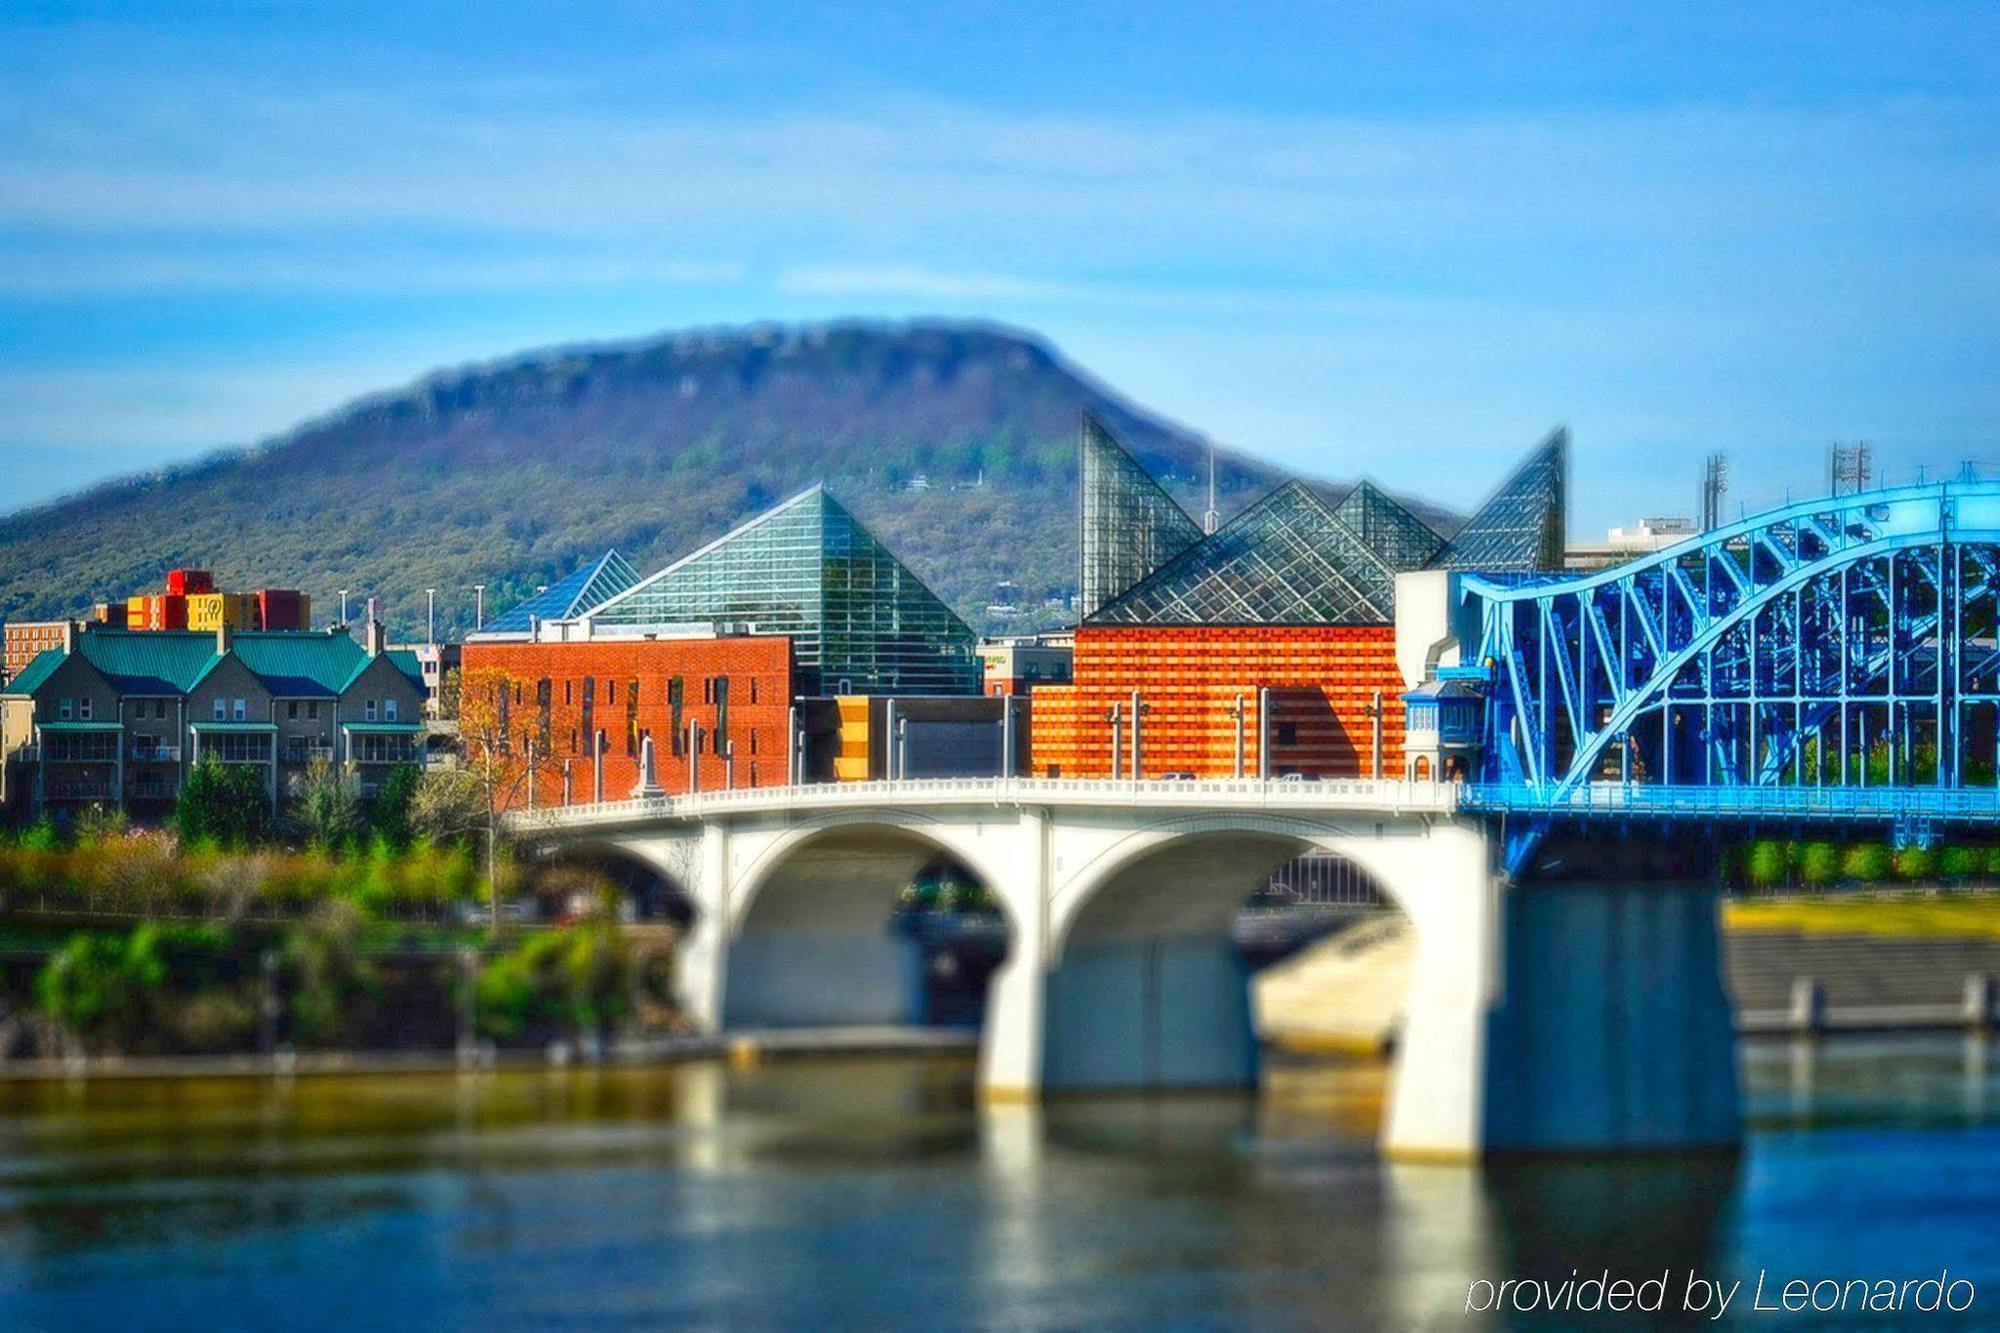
(1851, 466)
(1714, 485)
(1210, 519)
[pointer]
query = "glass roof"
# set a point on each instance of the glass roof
(860, 622)
(1130, 525)
(1521, 528)
(1288, 559)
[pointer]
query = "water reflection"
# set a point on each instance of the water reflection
(880, 1192)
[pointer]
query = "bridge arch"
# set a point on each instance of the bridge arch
(811, 920)
(1146, 985)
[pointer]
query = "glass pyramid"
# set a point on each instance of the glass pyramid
(1385, 527)
(860, 623)
(1521, 529)
(596, 583)
(1288, 559)
(1131, 526)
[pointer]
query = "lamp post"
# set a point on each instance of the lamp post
(1237, 711)
(1139, 710)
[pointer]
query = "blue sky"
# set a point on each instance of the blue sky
(1394, 240)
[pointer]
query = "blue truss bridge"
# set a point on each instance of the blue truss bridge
(1831, 660)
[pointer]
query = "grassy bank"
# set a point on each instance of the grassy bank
(1961, 915)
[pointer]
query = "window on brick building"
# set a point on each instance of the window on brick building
(753, 740)
(676, 703)
(545, 693)
(719, 690)
(1288, 733)
(632, 717)
(589, 707)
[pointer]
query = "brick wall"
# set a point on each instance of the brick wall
(1322, 680)
(759, 675)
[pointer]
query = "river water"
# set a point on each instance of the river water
(874, 1193)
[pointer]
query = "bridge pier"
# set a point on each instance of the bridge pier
(1614, 1031)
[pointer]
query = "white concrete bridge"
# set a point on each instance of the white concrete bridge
(1564, 1017)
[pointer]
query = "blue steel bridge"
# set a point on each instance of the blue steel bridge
(1836, 660)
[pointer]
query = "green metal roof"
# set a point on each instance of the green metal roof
(406, 661)
(369, 728)
(295, 665)
(233, 726)
(82, 726)
(149, 661)
(30, 677)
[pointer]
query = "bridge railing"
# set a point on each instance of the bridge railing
(1695, 803)
(1386, 797)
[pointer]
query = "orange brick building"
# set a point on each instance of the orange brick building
(1323, 681)
(738, 690)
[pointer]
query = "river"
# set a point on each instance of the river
(874, 1193)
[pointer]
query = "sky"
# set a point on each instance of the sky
(1400, 241)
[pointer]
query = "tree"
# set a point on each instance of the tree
(223, 804)
(98, 987)
(329, 805)
(510, 727)
(333, 980)
(448, 807)
(1916, 863)
(1819, 864)
(1769, 863)
(391, 811)
(1866, 863)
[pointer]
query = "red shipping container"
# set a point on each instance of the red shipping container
(169, 612)
(182, 582)
(281, 609)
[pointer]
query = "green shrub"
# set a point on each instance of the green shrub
(1768, 863)
(1819, 864)
(1866, 863)
(1959, 864)
(579, 979)
(1916, 863)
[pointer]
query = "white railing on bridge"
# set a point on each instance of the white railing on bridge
(1365, 795)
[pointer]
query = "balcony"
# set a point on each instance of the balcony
(80, 789)
(151, 789)
(143, 753)
(298, 752)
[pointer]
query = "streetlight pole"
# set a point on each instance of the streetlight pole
(1237, 711)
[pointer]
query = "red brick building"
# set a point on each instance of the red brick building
(1323, 682)
(737, 690)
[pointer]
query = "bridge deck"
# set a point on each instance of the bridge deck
(1864, 805)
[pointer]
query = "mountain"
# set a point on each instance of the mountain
(955, 443)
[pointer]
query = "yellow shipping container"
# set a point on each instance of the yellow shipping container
(136, 614)
(213, 610)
